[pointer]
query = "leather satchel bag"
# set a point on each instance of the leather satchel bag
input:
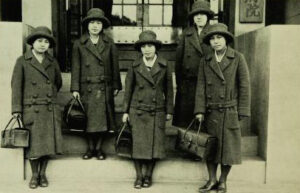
(195, 142)
(75, 116)
(123, 143)
(15, 137)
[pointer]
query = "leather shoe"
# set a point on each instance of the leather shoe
(147, 182)
(209, 186)
(88, 155)
(138, 183)
(43, 182)
(222, 187)
(33, 184)
(100, 155)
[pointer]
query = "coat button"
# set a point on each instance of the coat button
(49, 95)
(48, 82)
(36, 110)
(221, 110)
(50, 108)
(209, 83)
(102, 88)
(209, 96)
(33, 83)
(35, 95)
(139, 113)
(88, 79)
(222, 96)
(33, 101)
(154, 100)
(153, 87)
(152, 113)
(87, 65)
(49, 101)
(140, 100)
(141, 87)
(209, 110)
(223, 82)
(89, 90)
(152, 109)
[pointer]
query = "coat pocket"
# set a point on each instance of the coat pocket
(28, 115)
(232, 120)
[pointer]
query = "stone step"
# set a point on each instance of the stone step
(115, 169)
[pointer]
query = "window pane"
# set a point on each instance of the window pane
(155, 15)
(168, 13)
(129, 1)
(155, 1)
(117, 1)
(116, 15)
(168, 1)
(129, 15)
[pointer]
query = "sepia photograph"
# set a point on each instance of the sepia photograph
(150, 96)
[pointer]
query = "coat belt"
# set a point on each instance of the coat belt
(95, 79)
(149, 108)
(39, 101)
(223, 105)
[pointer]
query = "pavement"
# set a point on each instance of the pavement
(86, 186)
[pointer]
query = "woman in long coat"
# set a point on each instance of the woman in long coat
(148, 98)
(96, 79)
(35, 82)
(189, 52)
(222, 99)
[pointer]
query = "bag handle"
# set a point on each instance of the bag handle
(16, 119)
(72, 102)
(121, 132)
(198, 132)
(188, 128)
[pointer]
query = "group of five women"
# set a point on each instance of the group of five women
(212, 85)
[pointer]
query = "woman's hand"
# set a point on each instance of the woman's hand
(116, 92)
(17, 115)
(125, 118)
(76, 95)
(200, 117)
(169, 117)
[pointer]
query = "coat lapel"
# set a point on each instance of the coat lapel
(194, 39)
(85, 39)
(142, 70)
(227, 59)
(34, 62)
(214, 65)
(47, 61)
(102, 43)
(157, 68)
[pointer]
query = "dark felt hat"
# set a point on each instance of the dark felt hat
(147, 37)
(201, 6)
(96, 14)
(38, 32)
(218, 28)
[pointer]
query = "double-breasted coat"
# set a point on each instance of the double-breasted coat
(223, 94)
(148, 97)
(95, 75)
(188, 54)
(34, 90)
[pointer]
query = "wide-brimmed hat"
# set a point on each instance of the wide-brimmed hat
(218, 28)
(147, 37)
(96, 14)
(201, 6)
(38, 32)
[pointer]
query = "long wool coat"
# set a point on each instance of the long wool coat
(148, 97)
(223, 94)
(95, 74)
(34, 91)
(189, 52)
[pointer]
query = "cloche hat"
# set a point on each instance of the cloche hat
(201, 6)
(41, 31)
(96, 14)
(218, 28)
(146, 37)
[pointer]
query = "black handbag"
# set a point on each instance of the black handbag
(123, 143)
(195, 142)
(75, 116)
(15, 137)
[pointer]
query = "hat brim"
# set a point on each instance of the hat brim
(139, 43)
(32, 37)
(228, 36)
(104, 20)
(210, 14)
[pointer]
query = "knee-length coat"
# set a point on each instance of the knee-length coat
(95, 74)
(223, 94)
(148, 97)
(189, 52)
(34, 91)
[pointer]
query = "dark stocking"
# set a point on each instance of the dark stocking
(43, 165)
(99, 141)
(212, 171)
(34, 167)
(225, 169)
(90, 142)
(138, 168)
(150, 168)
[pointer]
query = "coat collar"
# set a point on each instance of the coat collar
(194, 38)
(47, 62)
(96, 50)
(157, 67)
(226, 61)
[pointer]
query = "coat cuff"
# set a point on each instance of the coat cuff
(16, 109)
(244, 111)
(201, 109)
(75, 87)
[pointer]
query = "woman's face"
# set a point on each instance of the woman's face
(200, 19)
(217, 42)
(41, 45)
(95, 27)
(148, 50)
